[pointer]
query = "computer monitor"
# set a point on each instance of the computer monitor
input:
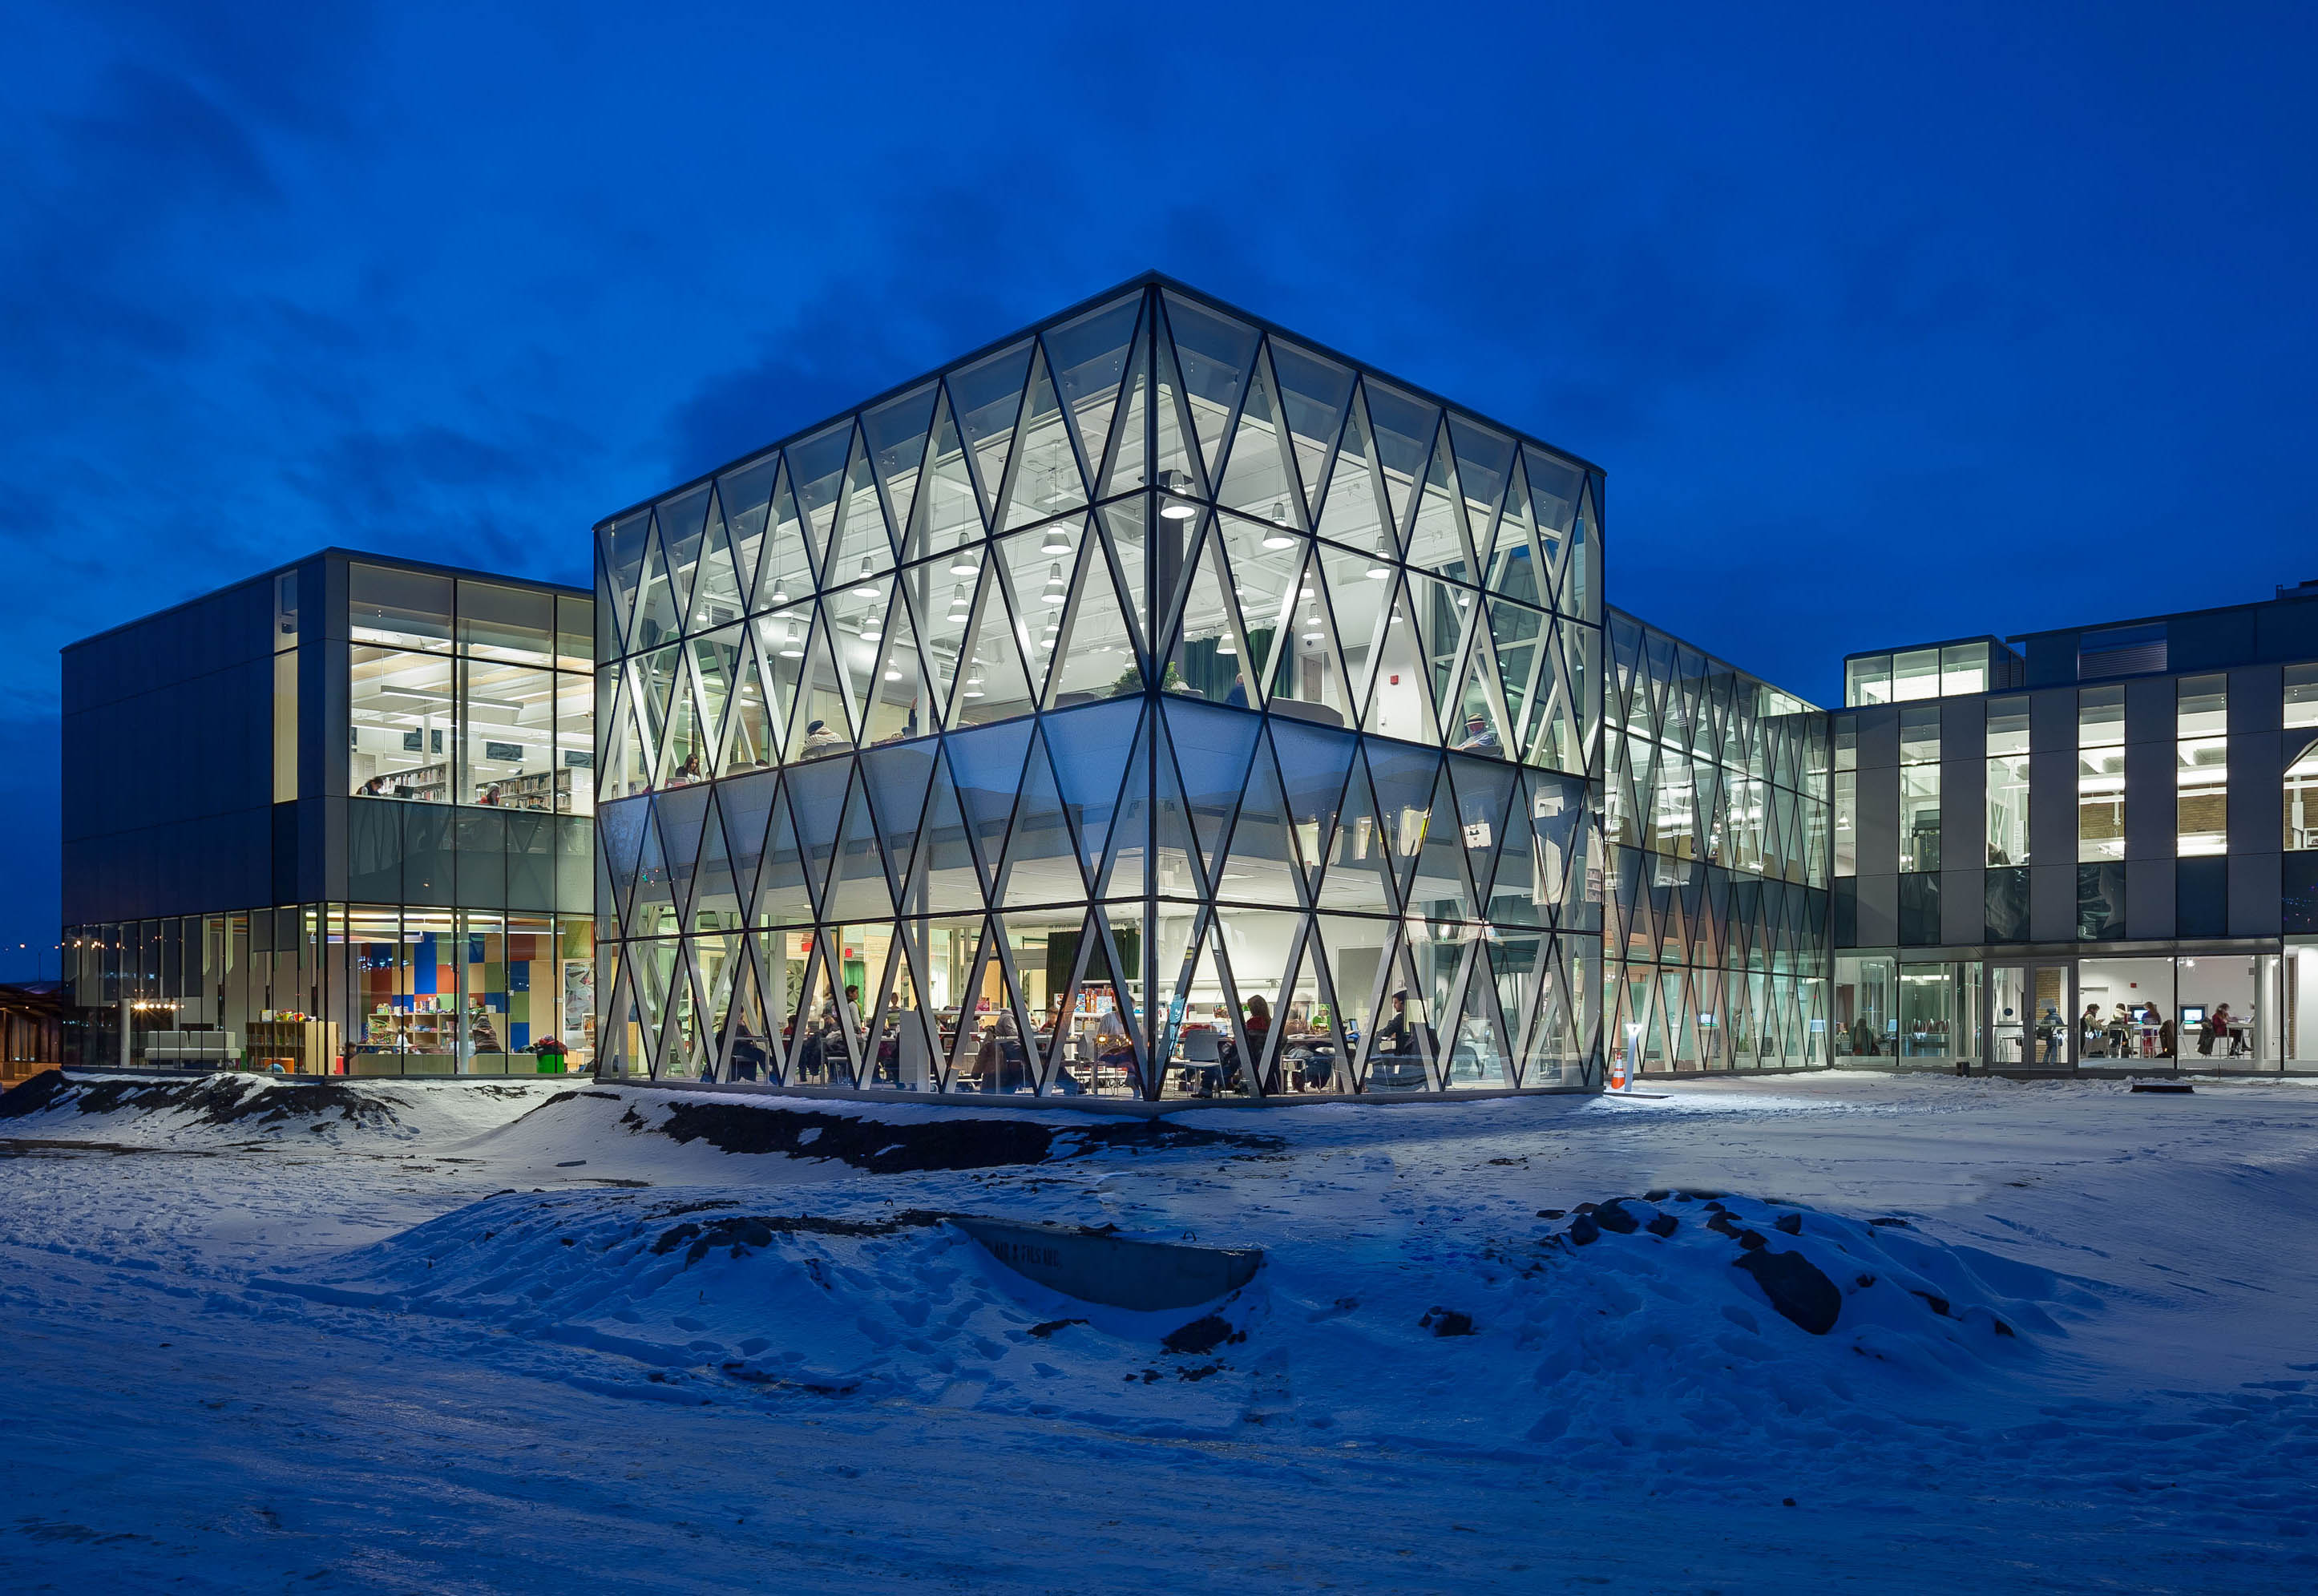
(2193, 1013)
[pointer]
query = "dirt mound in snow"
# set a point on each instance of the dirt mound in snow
(604, 1126)
(1631, 1323)
(239, 1100)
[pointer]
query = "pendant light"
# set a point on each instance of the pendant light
(1279, 536)
(865, 586)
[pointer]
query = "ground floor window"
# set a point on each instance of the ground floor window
(338, 990)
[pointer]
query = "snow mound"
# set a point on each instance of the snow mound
(1671, 1323)
(155, 1111)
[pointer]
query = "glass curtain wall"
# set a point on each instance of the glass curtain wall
(2202, 766)
(336, 989)
(469, 692)
(1717, 814)
(1152, 705)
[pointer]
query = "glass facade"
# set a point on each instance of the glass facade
(1154, 705)
(1717, 815)
(453, 932)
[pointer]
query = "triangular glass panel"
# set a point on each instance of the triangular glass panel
(1181, 871)
(1089, 355)
(715, 897)
(716, 590)
(652, 909)
(1206, 658)
(986, 762)
(1436, 540)
(1212, 749)
(1090, 749)
(621, 550)
(861, 548)
(1260, 867)
(1440, 888)
(1306, 666)
(1403, 779)
(1402, 431)
(946, 512)
(822, 723)
(1315, 394)
(1259, 475)
(1360, 869)
(1125, 527)
(949, 878)
(1484, 797)
(1314, 761)
(1400, 692)
(620, 829)
(683, 523)
(817, 474)
(745, 803)
(857, 890)
(656, 614)
(1041, 569)
(1090, 649)
(745, 494)
(787, 571)
(992, 683)
(680, 814)
(1127, 858)
(1265, 563)
(1041, 864)
(1175, 466)
(1354, 511)
(1214, 353)
(1127, 443)
(716, 663)
(748, 737)
(986, 398)
(816, 799)
(1044, 480)
(895, 433)
(1355, 593)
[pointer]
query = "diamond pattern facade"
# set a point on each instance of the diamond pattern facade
(1716, 813)
(1031, 728)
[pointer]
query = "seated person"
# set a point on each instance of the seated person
(1395, 1036)
(1481, 737)
(819, 740)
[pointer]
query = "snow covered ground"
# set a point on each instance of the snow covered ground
(1884, 1334)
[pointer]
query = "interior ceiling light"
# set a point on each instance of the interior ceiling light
(1057, 540)
(1224, 644)
(865, 586)
(893, 673)
(973, 683)
(1054, 593)
(1379, 572)
(1280, 537)
(957, 603)
(1174, 510)
(962, 562)
(792, 646)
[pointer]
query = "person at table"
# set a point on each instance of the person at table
(2225, 1030)
(2217, 1026)
(1394, 1036)
(1481, 738)
(2088, 1031)
(1254, 1031)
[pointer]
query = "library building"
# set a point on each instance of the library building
(376, 859)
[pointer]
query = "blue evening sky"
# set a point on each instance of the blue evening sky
(1886, 323)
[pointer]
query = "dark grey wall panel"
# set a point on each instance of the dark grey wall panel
(1963, 787)
(1879, 735)
(1879, 911)
(1879, 820)
(2053, 902)
(2149, 710)
(2150, 791)
(2254, 892)
(2052, 806)
(2148, 897)
(1964, 906)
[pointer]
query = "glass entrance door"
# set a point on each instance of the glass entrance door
(2029, 1019)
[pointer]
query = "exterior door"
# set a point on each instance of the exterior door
(2030, 1017)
